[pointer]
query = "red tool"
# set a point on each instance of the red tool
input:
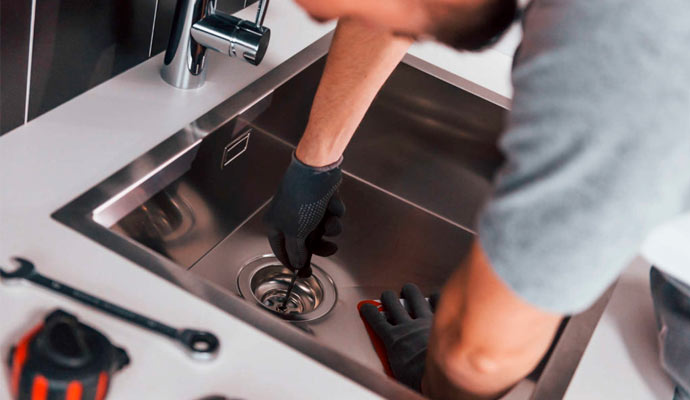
(375, 341)
(62, 358)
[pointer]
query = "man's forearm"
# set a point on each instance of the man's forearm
(485, 338)
(360, 60)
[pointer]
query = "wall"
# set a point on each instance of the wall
(54, 50)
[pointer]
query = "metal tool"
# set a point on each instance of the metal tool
(199, 345)
(283, 307)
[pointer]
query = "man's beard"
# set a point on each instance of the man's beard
(472, 28)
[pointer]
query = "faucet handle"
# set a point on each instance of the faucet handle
(251, 40)
(261, 13)
(183, 65)
(233, 36)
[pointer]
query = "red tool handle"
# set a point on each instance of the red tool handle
(375, 341)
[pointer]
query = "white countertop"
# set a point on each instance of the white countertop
(54, 158)
(622, 358)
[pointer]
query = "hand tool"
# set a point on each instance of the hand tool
(62, 358)
(200, 345)
(283, 307)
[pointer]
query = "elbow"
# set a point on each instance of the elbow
(475, 365)
(479, 371)
(484, 365)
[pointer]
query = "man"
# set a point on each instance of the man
(597, 154)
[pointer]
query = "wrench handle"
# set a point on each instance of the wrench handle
(105, 306)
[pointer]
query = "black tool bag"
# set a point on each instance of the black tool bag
(63, 358)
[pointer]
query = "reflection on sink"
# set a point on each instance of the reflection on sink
(416, 174)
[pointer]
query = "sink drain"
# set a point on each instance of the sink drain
(264, 280)
(270, 285)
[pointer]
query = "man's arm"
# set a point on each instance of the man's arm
(360, 60)
(306, 206)
(485, 338)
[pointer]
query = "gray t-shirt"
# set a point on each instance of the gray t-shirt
(597, 146)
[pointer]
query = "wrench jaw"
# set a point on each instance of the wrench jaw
(24, 272)
(199, 345)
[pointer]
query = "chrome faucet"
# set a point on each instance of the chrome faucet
(198, 26)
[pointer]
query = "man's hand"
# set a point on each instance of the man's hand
(305, 208)
(484, 338)
(405, 336)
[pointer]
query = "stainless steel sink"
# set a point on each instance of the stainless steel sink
(416, 174)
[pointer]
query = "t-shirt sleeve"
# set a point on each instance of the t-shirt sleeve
(597, 146)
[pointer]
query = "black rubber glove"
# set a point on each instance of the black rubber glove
(305, 208)
(405, 334)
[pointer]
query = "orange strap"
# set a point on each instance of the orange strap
(39, 390)
(102, 387)
(19, 359)
(74, 391)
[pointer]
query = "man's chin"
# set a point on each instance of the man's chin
(319, 19)
(477, 28)
(407, 35)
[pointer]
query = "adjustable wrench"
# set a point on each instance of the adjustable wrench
(199, 345)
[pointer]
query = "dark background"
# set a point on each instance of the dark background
(77, 45)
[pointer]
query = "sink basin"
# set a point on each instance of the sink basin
(416, 174)
(385, 243)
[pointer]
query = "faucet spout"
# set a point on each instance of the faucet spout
(198, 26)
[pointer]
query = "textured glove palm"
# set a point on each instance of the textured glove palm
(305, 208)
(404, 334)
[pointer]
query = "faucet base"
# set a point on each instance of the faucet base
(182, 79)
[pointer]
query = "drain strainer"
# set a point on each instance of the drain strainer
(264, 280)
